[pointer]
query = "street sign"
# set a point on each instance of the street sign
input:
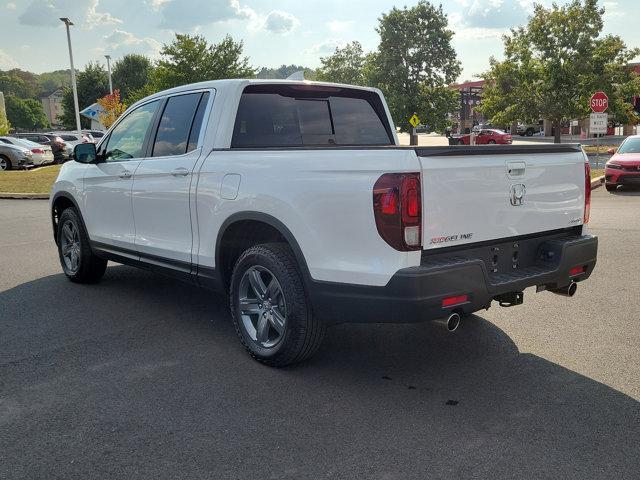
(414, 120)
(598, 123)
(599, 102)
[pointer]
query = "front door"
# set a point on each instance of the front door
(108, 214)
(163, 181)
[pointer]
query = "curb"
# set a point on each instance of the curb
(597, 182)
(25, 196)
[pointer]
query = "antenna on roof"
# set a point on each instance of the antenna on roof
(299, 75)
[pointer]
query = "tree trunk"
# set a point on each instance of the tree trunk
(514, 128)
(557, 132)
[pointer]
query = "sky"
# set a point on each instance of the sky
(274, 32)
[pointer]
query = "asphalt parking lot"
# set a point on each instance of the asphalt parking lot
(141, 376)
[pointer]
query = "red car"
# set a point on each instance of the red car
(623, 168)
(484, 137)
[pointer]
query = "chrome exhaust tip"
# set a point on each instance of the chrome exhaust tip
(450, 323)
(567, 291)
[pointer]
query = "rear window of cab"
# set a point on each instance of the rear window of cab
(309, 115)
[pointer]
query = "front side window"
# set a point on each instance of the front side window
(281, 116)
(176, 124)
(127, 138)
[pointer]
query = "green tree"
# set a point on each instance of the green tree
(345, 65)
(13, 83)
(190, 59)
(93, 83)
(49, 81)
(414, 57)
(26, 114)
(131, 73)
(555, 63)
(283, 71)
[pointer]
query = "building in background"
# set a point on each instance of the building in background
(52, 104)
(470, 98)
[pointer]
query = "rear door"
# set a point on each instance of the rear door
(484, 193)
(162, 181)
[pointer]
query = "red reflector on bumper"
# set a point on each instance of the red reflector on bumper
(576, 271)
(450, 301)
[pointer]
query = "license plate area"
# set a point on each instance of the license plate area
(508, 257)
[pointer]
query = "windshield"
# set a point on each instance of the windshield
(630, 145)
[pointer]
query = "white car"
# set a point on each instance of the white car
(295, 199)
(40, 154)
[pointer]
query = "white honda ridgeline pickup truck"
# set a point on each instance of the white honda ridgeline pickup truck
(295, 198)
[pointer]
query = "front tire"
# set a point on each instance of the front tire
(77, 259)
(611, 188)
(5, 163)
(271, 312)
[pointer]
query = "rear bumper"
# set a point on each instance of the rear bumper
(415, 294)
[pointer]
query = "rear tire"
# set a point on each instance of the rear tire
(78, 261)
(529, 132)
(491, 142)
(271, 312)
(5, 163)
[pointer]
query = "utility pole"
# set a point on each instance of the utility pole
(74, 87)
(108, 57)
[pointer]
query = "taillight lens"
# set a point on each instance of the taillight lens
(397, 208)
(587, 191)
(37, 150)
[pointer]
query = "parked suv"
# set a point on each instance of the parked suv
(295, 199)
(57, 144)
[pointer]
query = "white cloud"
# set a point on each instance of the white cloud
(339, 26)
(191, 15)
(10, 6)
(326, 47)
(127, 42)
(7, 62)
(156, 4)
(463, 31)
(281, 22)
(46, 13)
(612, 9)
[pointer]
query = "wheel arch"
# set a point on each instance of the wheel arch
(255, 218)
(59, 202)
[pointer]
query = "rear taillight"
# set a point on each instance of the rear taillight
(587, 191)
(37, 150)
(397, 208)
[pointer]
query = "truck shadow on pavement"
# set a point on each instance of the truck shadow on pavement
(142, 376)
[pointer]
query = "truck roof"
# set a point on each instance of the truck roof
(241, 83)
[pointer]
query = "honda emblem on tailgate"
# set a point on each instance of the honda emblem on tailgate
(517, 194)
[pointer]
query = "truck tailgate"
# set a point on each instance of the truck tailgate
(475, 194)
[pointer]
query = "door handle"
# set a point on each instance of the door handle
(125, 174)
(180, 172)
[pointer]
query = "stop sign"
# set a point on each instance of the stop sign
(599, 102)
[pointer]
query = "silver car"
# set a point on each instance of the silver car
(14, 156)
(40, 154)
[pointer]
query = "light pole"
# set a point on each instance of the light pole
(108, 57)
(74, 87)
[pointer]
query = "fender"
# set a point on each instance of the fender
(273, 222)
(69, 197)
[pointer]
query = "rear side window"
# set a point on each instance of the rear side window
(283, 115)
(174, 136)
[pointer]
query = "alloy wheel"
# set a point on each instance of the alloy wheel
(262, 306)
(70, 246)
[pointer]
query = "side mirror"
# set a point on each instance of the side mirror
(611, 151)
(85, 153)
